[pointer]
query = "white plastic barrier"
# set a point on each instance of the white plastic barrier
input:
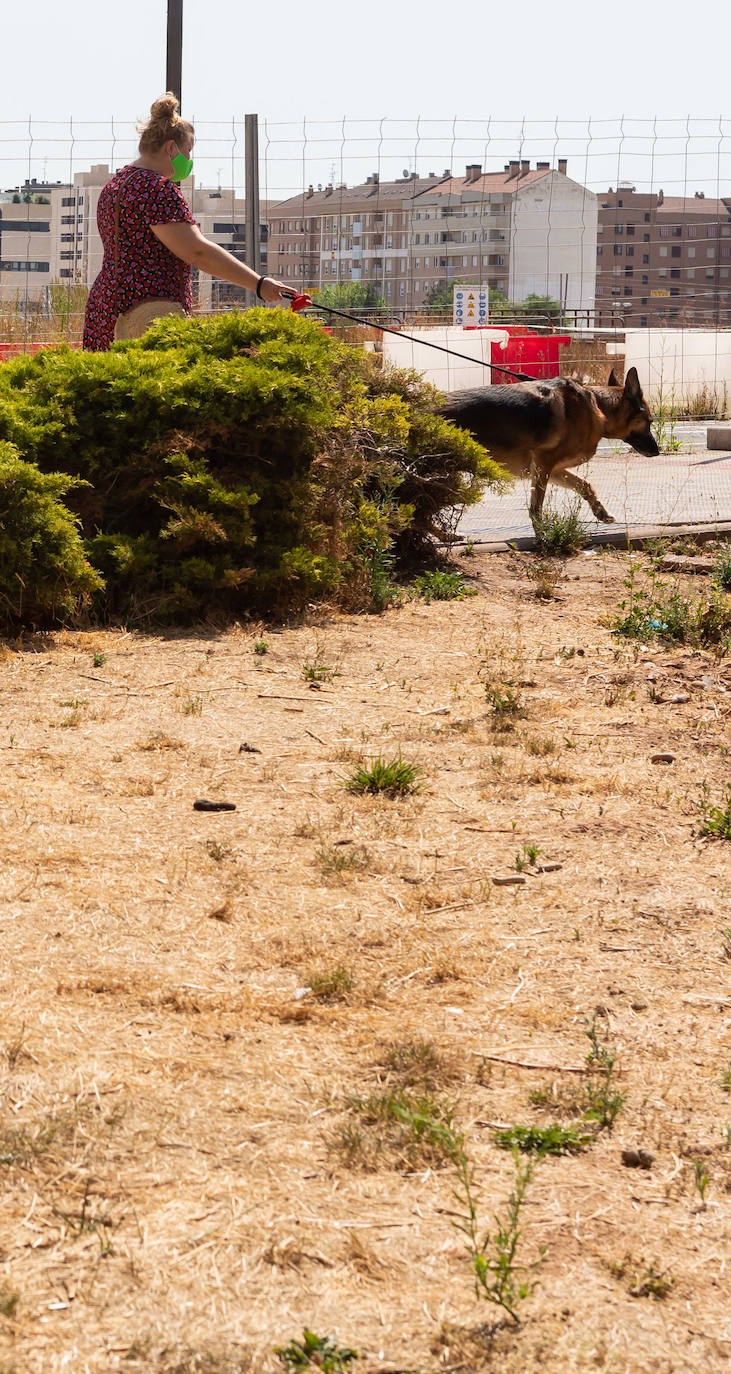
(448, 373)
(676, 364)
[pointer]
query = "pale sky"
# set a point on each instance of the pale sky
(92, 61)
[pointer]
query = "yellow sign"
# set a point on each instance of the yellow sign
(659, 293)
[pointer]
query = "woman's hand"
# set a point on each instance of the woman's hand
(273, 291)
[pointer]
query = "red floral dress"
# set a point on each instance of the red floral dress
(146, 269)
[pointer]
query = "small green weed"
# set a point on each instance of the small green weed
(506, 703)
(316, 1352)
(192, 706)
(336, 860)
(391, 778)
(442, 586)
(603, 1103)
(716, 820)
(543, 1140)
(9, 1300)
(407, 1129)
(664, 422)
(499, 1277)
(560, 533)
(722, 567)
(99, 659)
(316, 669)
(331, 985)
(545, 576)
(725, 1079)
(417, 1063)
(540, 748)
(261, 648)
(701, 1180)
(645, 1281)
(527, 857)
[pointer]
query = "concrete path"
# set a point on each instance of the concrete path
(690, 487)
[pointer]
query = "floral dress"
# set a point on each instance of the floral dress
(145, 269)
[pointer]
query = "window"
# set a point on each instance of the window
(711, 231)
(426, 238)
(8, 265)
(645, 257)
(629, 271)
(675, 251)
(68, 200)
(690, 273)
(646, 218)
(710, 253)
(629, 251)
(664, 231)
(66, 255)
(663, 251)
(599, 251)
(628, 290)
(619, 228)
(692, 231)
(690, 252)
(474, 262)
(417, 238)
(675, 272)
(645, 279)
(617, 250)
(677, 231)
(25, 226)
(645, 238)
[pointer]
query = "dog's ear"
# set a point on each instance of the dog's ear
(613, 379)
(632, 388)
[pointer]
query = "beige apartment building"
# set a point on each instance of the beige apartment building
(521, 230)
(664, 260)
(52, 238)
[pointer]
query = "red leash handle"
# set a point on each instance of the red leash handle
(300, 300)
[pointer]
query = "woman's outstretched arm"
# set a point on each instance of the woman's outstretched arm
(188, 243)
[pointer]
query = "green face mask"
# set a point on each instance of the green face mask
(182, 166)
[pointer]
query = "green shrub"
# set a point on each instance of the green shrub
(44, 574)
(240, 461)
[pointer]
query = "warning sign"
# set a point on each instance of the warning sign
(659, 293)
(470, 306)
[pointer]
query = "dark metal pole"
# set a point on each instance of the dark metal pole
(174, 78)
(251, 150)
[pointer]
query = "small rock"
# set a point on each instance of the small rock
(678, 699)
(245, 748)
(510, 880)
(637, 1159)
(638, 1006)
(548, 868)
(203, 805)
(662, 758)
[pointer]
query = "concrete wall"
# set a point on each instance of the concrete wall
(675, 363)
(553, 242)
(447, 373)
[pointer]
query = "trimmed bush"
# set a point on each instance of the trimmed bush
(244, 461)
(44, 573)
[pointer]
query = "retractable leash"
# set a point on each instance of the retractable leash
(302, 301)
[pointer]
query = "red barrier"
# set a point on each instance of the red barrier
(534, 354)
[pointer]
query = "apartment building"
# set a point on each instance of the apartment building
(664, 260)
(521, 230)
(51, 237)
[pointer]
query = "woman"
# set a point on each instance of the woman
(151, 240)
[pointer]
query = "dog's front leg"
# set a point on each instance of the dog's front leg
(538, 484)
(586, 490)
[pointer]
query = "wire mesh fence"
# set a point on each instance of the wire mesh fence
(611, 235)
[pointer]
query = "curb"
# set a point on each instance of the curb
(631, 537)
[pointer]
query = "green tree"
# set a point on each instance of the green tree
(350, 295)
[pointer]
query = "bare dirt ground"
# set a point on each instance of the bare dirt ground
(187, 1178)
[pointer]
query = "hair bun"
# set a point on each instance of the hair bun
(166, 107)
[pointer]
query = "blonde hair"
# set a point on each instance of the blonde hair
(164, 123)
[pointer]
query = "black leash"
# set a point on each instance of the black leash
(308, 304)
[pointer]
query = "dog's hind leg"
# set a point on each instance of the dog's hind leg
(538, 484)
(587, 492)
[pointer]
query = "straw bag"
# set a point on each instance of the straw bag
(134, 322)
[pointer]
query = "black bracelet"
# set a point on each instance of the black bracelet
(258, 288)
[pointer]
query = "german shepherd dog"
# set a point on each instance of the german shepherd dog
(541, 430)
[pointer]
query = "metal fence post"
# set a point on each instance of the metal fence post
(174, 70)
(253, 247)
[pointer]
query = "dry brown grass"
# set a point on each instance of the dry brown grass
(189, 999)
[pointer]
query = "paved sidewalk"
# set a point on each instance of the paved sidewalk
(690, 487)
